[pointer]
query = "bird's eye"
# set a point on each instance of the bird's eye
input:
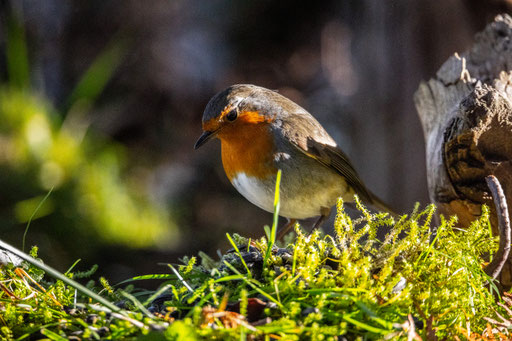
(232, 115)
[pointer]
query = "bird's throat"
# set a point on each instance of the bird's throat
(249, 149)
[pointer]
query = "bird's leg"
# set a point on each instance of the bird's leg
(284, 230)
(324, 213)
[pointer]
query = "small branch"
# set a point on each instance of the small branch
(495, 267)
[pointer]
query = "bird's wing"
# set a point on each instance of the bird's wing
(309, 137)
(332, 157)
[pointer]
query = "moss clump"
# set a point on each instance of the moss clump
(318, 287)
(353, 283)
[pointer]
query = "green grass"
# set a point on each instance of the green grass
(316, 287)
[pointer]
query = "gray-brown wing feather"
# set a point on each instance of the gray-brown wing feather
(334, 158)
(323, 149)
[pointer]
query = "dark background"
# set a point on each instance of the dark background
(354, 64)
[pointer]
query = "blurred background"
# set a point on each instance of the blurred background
(101, 103)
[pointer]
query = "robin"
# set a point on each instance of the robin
(262, 131)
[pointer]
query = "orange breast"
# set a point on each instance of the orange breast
(248, 147)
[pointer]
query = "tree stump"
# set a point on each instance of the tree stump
(466, 114)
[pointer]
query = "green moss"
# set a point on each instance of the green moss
(318, 287)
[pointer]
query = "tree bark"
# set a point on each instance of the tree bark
(466, 114)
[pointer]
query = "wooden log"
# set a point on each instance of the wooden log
(466, 114)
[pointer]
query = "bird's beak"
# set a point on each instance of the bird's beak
(207, 135)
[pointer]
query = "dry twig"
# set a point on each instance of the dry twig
(495, 267)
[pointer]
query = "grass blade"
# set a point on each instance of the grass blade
(52, 336)
(32, 217)
(180, 278)
(137, 303)
(252, 285)
(273, 231)
(239, 254)
(157, 293)
(56, 274)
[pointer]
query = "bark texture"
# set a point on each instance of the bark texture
(466, 114)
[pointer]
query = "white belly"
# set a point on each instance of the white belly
(301, 202)
(255, 191)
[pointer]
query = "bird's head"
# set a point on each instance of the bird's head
(239, 108)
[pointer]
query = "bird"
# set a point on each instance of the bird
(262, 131)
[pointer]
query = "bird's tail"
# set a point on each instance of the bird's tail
(380, 205)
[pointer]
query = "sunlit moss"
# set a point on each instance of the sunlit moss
(317, 288)
(357, 285)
